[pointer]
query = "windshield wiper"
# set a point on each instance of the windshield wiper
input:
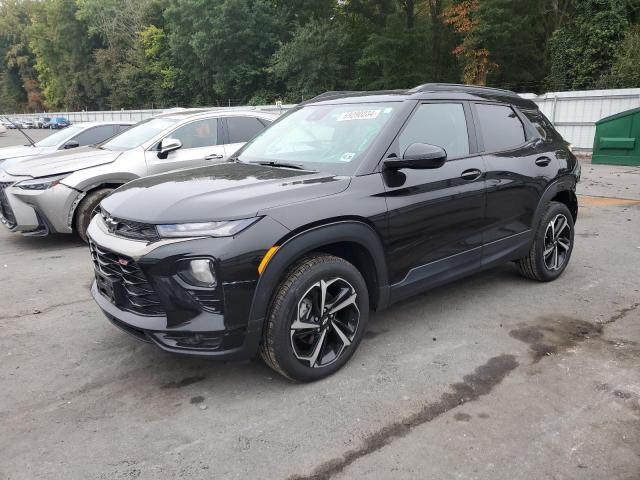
(281, 165)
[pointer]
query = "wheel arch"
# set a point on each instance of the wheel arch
(563, 191)
(85, 192)
(355, 241)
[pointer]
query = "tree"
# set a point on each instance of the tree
(223, 47)
(464, 17)
(583, 50)
(63, 51)
(19, 86)
(314, 60)
(625, 72)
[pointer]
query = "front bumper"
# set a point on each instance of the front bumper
(37, 212)
(144, 296)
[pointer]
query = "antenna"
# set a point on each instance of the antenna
(33, 144)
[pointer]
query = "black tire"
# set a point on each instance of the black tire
(302, 282)
(546, 268)
(85, 211)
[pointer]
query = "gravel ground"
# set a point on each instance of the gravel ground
(492, 377)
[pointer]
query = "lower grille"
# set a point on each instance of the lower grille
(128, 286)
(5, 209)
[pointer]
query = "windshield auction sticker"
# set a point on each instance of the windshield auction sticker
(359, 115)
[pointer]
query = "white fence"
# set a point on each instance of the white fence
(573, 113)
(132, 115)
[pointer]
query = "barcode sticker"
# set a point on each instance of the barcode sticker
(359, 115)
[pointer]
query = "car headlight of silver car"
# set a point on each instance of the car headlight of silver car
(206, 229)
(42, 183)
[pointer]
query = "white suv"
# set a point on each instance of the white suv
(58, 193)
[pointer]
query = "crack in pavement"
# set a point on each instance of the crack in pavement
(473, 386)
(620, 314)
(44, 310)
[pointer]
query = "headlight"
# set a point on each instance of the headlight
(41, 183)
(206, 229)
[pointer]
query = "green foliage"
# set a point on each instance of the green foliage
(76, 54)
(625, 72)
(583, 50)
(314, 60)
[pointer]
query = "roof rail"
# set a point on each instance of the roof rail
(435, 87)
(331, 95)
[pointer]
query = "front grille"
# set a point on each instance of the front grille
(129, 228)
(5, 209)
(139, 295)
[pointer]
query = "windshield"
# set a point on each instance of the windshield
(139, 134)
(322, 137)
(59, 137)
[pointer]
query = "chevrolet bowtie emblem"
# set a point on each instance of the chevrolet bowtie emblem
(111, 224)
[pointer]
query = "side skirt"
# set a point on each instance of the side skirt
(460, 265)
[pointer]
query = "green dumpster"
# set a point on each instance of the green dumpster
(617, 139)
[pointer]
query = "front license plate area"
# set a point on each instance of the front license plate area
(110, 288)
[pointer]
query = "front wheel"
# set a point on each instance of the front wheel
(317, 318)
(86, 211)
(552, 245)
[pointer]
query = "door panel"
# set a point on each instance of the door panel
(199, 140)
(516, 177)
(436, 216)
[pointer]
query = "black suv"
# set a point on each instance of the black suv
(349, 203)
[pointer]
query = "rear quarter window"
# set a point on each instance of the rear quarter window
(542, 125)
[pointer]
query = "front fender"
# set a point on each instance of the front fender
(313, 239)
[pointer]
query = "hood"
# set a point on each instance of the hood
(62, 162)
(219, 192)
(19, 151)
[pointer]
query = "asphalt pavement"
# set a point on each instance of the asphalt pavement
(492, 377)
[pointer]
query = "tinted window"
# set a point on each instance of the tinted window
(540, 122)
(243, 129)
(501, 128)
(122, 128)
(203, 133)
(95, 135)
(440, 124)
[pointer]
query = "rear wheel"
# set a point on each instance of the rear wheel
(317, 318)
(86, 211)
(552, 246)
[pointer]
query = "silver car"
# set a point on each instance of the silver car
(78, 135)
(58, 193)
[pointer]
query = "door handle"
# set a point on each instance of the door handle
(471, 175)
(543, 161)
(214, 156)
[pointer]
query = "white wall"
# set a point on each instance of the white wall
(575, 113)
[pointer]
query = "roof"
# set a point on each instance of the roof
(183, 114)
(429, 91)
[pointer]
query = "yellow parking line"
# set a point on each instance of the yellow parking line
(587, 200)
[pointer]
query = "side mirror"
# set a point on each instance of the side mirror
(71, 144)
(168, 145)
(418, 156)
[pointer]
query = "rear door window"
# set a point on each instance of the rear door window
(441, 124)
(500, 126)
(243, 129)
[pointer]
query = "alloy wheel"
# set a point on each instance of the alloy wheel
(325, 323)
(557, 242)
